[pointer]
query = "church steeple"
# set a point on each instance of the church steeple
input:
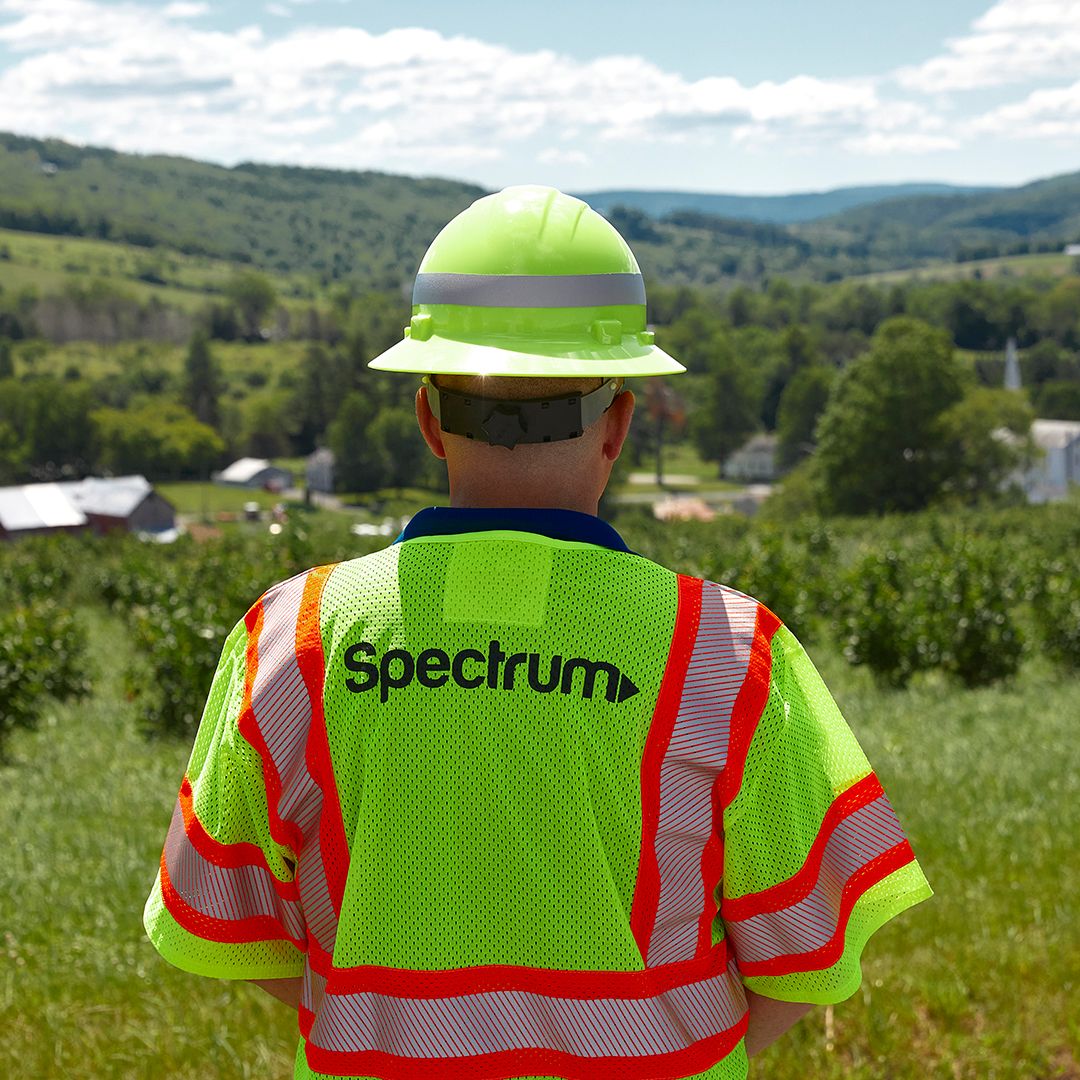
(1012, 366)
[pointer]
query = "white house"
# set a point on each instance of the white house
(255, 473)
(319, 470)
(754, 461)
(1049, 477)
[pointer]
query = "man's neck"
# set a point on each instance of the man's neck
(518, 498)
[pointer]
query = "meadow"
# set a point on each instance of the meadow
(979, 982)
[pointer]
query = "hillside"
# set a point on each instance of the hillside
(370, 229)
(777, 209)
(329, 223)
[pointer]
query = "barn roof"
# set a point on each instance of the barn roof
(38, 506)
(113, 496)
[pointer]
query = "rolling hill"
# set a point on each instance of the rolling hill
(369, 229)
(778, 209)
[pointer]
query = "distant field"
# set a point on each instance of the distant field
(50, 263)
(246, 367)
(979, 982)
(1050, 265)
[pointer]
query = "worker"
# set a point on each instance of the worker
(507, 799)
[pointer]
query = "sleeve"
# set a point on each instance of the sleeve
(815, 859)
(225, 901)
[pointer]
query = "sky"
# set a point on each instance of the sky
(755, 96)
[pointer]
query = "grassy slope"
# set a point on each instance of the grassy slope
(1037, 266)
(50, 264)
(976, 983)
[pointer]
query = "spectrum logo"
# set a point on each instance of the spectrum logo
(471, 669)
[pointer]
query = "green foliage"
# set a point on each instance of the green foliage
(980, 455)
(801, 404)
(359, 462)
(42, 644)
(880, 445)
(727, 411)
(397, 443)
(1058, 399)
(163, 441)
(253, 295)
(49, 430)
(202, 381)
(1056, 594)
(941, 603)
(7, 359)
(41, 658)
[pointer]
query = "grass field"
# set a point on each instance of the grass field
(981, 982)
(1053, 264)
(48, 263)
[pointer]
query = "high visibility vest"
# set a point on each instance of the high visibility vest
(520, 805)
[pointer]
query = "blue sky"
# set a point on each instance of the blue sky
(766, 96)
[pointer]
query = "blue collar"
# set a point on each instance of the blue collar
(558, 524)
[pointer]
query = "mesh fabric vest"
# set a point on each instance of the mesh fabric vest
(517, 806)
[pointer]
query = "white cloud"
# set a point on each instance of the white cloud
(186, 10)
(553, 155)
(1015, 41)
(280, 11)
(142, 78)
(1043, 114)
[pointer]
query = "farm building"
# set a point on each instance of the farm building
(319, 470)
(255, 473)
(121, 503)
(755, 460)
(100, 505)
(38, 509)
(1058, 467)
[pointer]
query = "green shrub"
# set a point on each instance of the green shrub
(945, 601)
(1057, 607)
(42, 656)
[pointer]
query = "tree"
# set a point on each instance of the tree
(202, 381)
(161, 441)
(266, 424)
(801, 404)
(359, 463)
(7, 360)
(253, 295)
(880, 446)
(986, 439)
(1058, 399)
(728, 410)
(400, 449)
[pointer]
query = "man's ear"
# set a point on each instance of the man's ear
(429, 426)
(617, 424)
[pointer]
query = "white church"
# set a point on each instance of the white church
(1057, 465)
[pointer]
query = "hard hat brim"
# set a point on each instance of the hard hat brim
(448, 356)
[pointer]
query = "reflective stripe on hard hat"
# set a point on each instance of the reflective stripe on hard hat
(529, 290)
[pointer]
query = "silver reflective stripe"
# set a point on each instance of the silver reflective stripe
(282, 707)
(500, 1021)
(695, 757)
(229, 893)
(811, 923)
(529, 290)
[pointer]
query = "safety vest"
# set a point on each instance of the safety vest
(521, 804)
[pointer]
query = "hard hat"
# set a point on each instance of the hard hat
(528, 282)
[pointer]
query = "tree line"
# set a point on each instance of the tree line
(909, 372)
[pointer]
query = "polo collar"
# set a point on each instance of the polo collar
(557, 524)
